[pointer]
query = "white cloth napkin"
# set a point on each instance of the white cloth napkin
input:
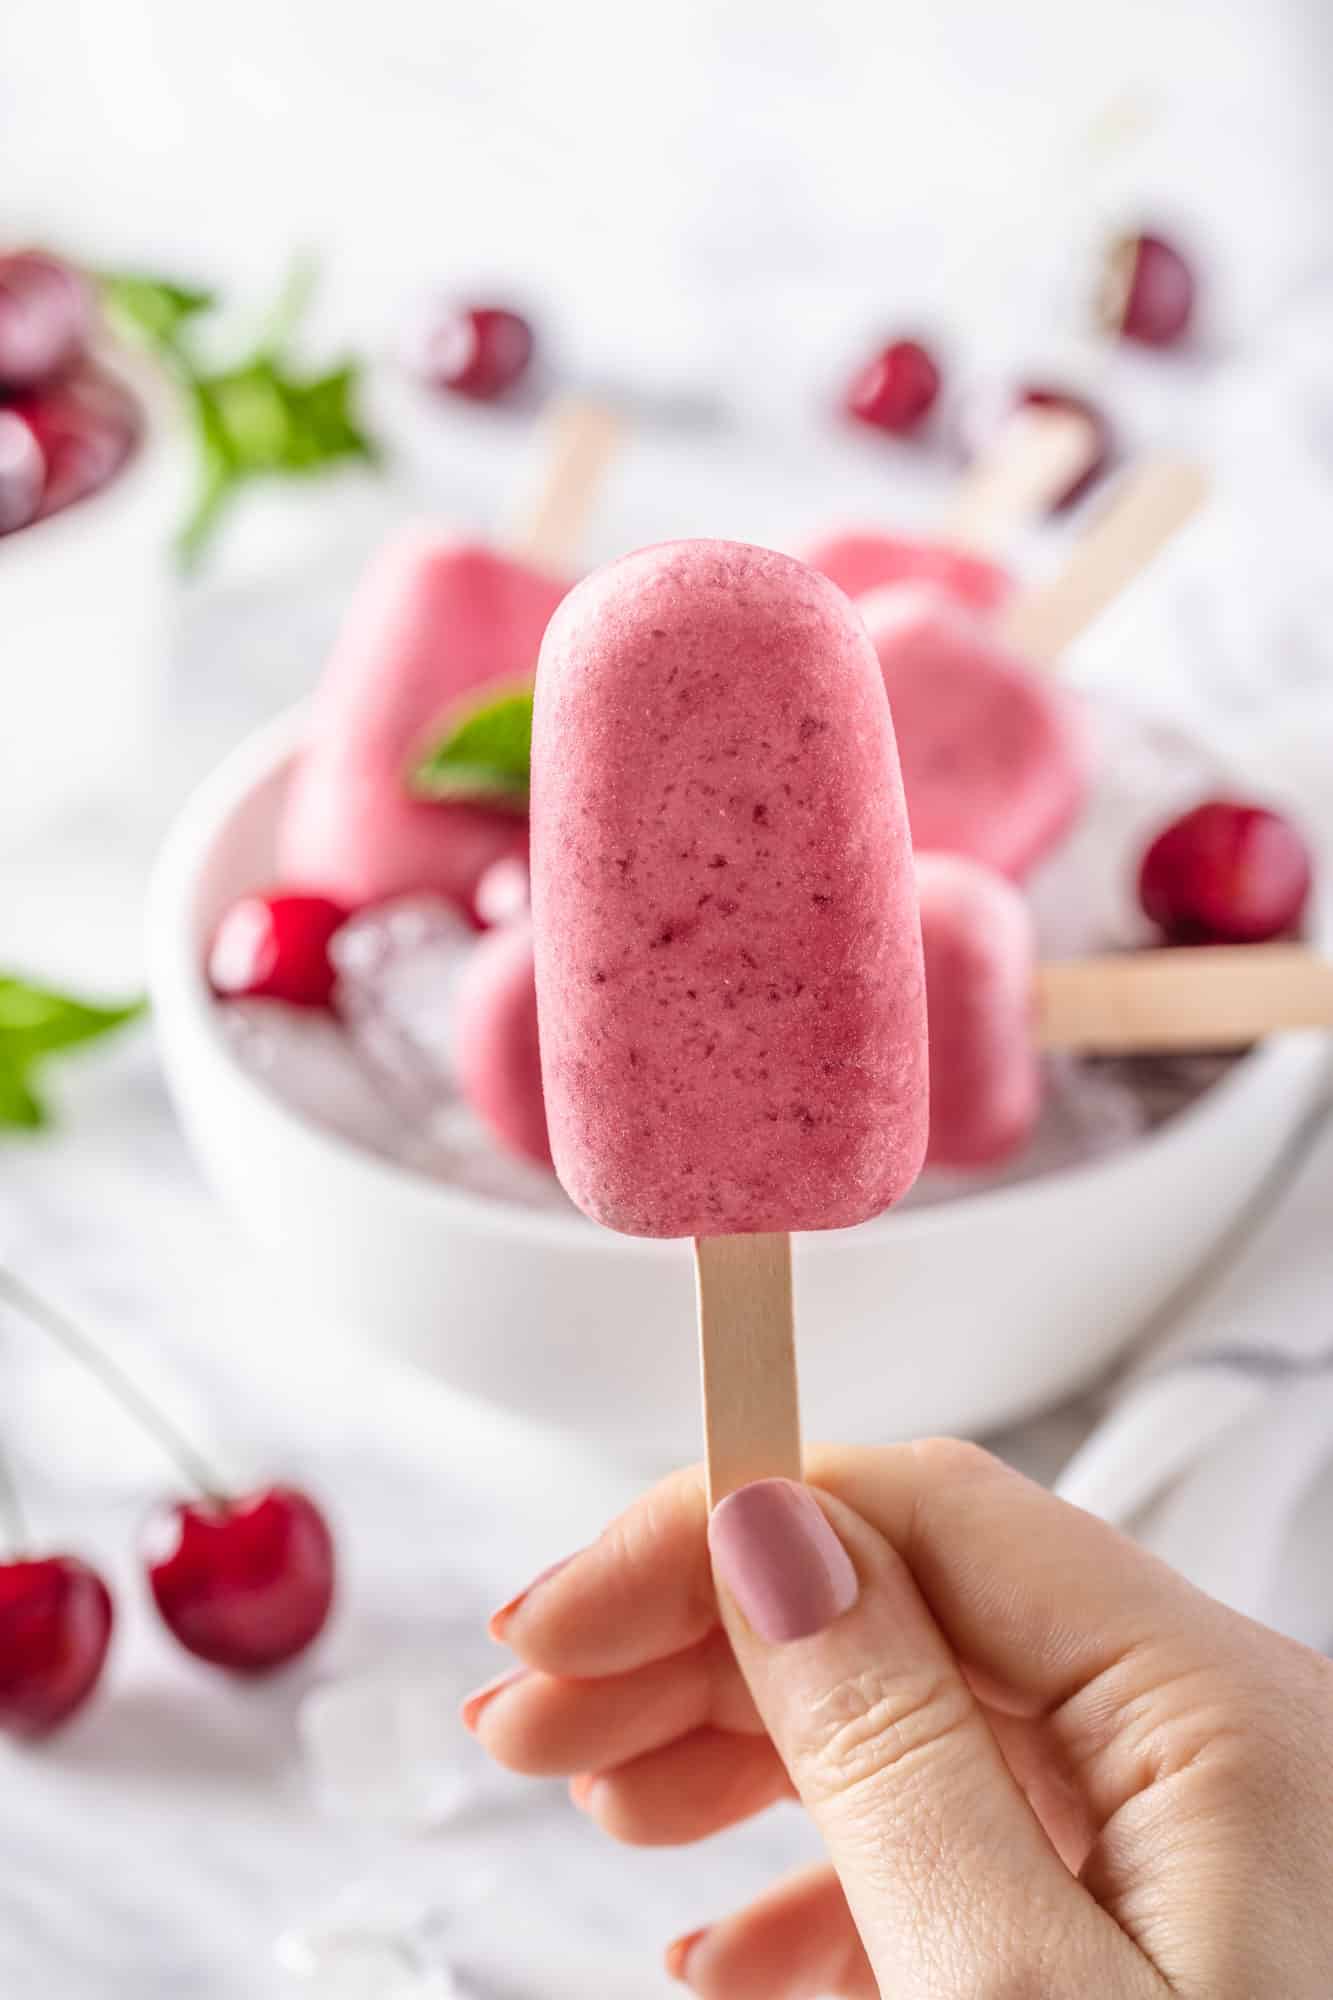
(1216, 1447)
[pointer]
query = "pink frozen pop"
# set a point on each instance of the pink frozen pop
(728, 951)
(992, 1007)
(435, 620)
(495, 1041)
(995, 754)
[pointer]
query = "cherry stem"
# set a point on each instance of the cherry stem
(12, 1516)
(114, 1380)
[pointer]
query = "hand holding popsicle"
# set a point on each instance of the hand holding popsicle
(957, 1674)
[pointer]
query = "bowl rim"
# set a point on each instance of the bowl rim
(180, 989)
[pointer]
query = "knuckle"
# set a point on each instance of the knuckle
(952, 1461)
(870, 1728)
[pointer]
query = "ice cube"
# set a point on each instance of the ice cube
(305, 1057)
(398, 965)
(341, 1961)
(387, 1745)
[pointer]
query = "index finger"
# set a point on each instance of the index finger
(642, 1591)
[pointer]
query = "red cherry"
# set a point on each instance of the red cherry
(55, 1627)
(1148, 291)
(1226, 873)
(895, 389)
(85, 426)
(475, 351)
(44, 317)
(275, 946)
(245, 1584)
(1041, 397)
(22, 473)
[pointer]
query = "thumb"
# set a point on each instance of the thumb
(950, 1878)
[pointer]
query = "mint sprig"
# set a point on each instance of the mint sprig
(36, 1023)
(260, 418)
(485, 754)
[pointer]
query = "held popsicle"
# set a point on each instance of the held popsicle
(728, 956)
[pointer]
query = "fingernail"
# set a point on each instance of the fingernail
(678, 1955)
(580, 1789)
(475, 1702)
(500, 1620)
(777, 1555)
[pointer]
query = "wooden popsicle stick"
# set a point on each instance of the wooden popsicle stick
(584, 435)
(748, 1354)
(1185, 997)
(1151, 505)
(1037, 455)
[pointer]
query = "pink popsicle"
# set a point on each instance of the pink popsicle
(728, 953)
(495, 1041)
(434, 619)
(985, 1078)
(862, 561)
(996, 758)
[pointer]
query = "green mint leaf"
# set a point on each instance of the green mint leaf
(151, 310)
(38, 1021)
(260, 420)
(20, 1110)
(262, 417)
(484, 754)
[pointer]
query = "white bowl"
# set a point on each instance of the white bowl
(958, 1317)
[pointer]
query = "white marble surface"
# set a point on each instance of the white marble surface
(715, 204)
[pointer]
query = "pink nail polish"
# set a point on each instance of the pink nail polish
(678, 1955)
(776, 1553)
(475, 1702)
(500, 1620)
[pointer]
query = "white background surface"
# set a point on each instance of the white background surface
(714, 206)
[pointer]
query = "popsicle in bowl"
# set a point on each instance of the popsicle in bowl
(1034, 456)
(728, 955)
(993, 1008)
(995, 754)
(437, 618)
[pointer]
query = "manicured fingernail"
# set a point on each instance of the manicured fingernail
(777, 1555)
(500, 1620)
(581, 1789)
(678, 1955)
(475, 1703)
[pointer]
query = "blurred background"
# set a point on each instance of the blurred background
(711, 216)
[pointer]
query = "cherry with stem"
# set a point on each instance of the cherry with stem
(243, 1581)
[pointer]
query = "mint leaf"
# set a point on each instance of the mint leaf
(151, 310)
(261, 420)
(37, 1022)
(485, 754)
(19, 1109)
(263, 417)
